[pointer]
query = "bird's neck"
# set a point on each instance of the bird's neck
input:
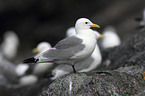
(86, 32)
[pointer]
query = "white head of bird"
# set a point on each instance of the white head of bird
(41, 47)
(84, 23)
(70, 31)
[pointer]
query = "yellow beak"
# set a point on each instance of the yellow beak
(35, 50)
(101, 36)
(95, 25)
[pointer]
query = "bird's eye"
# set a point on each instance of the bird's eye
(86, 22)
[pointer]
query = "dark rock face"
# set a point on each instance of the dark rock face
(123, 81)
(69, 84)
(131, 52)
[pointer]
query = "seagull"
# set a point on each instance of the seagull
(70, 31)
(42, 68)
(72, 49)
(109, 43)
(41, 47)
(111, 38)
(30, 74)
(38, 69)
(28, 80)
(10, 45)
(83, 66)
(8, 50)
(21, 69)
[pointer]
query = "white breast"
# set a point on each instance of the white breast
(89, 41)
(96, 55)
(58, 72)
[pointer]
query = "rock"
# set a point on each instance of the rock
(67, 85)
(123, 81)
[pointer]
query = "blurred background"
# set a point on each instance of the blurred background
(47, 20)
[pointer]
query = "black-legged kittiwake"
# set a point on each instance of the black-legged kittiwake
(38, 69)
(70, 31)
(30, 74)
(42, 68)
(83, 66)
(9, 46)
(72, 49)
(27, 80)
(111, 38)
(8, 50)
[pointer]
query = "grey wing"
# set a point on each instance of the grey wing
(68, 42)
(64, 49)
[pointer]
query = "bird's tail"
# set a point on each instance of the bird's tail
(31, 60)
(36, 60)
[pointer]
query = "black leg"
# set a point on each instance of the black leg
(73, 66)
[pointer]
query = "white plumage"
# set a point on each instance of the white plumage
(21, 69)
(92, 61)
(111, 38)
(70, 32)
(28, 80)
(82, 45)
(42, 68)
(37, 70)
(73, 49)
(10, 45)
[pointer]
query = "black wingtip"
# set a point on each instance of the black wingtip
(30, 60)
